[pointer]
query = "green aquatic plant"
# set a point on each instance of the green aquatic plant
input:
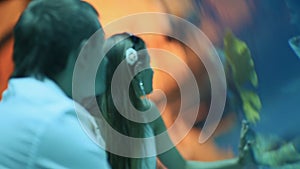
(240, 67)
(251, 105)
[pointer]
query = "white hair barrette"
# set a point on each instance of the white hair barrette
(131, 56)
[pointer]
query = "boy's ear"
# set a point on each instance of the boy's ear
(86, 67)
(90, 53)
(82, 54)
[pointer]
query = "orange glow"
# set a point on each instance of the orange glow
(9, 13)
(231, 13)
(6, 65)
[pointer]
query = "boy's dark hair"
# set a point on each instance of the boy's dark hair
(48, 32)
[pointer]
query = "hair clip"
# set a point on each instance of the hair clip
(131, 56)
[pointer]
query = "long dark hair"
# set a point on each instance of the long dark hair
(117, 46)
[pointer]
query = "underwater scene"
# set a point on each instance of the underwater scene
(243, 56)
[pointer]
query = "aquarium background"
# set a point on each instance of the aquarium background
(278, 69)
(277, 66)
(263, 24)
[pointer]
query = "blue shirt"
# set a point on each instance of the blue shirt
(39, 129)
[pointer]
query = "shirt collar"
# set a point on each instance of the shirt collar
(33, 88)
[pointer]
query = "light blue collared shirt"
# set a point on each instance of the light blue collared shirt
(39, 129)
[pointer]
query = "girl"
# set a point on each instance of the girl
(126, 109)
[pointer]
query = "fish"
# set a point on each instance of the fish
(294, 43)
